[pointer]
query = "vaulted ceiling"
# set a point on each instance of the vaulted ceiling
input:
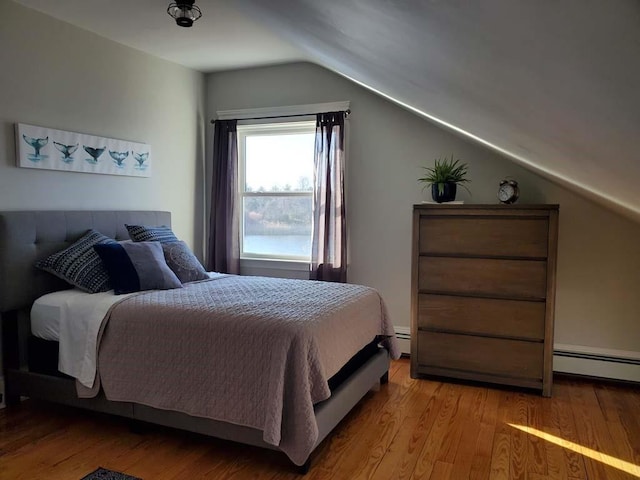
(554, 85)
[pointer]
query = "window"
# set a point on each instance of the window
(276, 188)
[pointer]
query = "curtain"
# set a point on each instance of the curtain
(329, 244)
(224, 234)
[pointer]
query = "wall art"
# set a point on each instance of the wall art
(40, 147)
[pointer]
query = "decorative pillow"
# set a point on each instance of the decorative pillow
(137, 266)
(183, 262)
(79, 264)
(140, 233)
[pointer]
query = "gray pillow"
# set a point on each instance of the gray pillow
(183, 262)
(79, 264)
(137, 266)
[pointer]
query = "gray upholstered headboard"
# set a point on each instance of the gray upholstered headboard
(27, 236)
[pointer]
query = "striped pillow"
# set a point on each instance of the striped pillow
(79, 264)
(140, 233)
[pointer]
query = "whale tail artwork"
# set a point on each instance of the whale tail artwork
(118, 157)
(66, 150)
(94, 153)
(44, 148)
(141, 158)
(37, 144)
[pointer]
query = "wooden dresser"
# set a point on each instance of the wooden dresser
(482, 293)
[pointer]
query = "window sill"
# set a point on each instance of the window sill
(274, 268)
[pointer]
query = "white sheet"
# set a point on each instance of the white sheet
(46, 311)
(80, 324)
(73, 318)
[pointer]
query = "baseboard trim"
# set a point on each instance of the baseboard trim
(572, 359)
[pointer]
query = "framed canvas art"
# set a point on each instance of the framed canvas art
(50, 149)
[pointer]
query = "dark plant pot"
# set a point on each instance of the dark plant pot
(448, 193)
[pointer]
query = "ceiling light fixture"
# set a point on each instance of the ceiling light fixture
(184, 12)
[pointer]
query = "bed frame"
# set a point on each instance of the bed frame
(26, 236)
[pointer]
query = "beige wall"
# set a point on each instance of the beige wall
(56, 75)
(599, 257)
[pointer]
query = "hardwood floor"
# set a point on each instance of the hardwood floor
(409, 429)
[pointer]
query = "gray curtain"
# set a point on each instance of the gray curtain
(329, 244)
(224, 234)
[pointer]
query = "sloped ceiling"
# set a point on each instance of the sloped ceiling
(554, 84)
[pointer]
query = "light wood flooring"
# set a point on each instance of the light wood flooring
(411, 429)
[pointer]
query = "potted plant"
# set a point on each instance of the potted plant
(444, 177)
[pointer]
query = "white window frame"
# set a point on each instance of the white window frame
(251, 129)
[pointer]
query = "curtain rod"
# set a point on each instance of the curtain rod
(345, 112)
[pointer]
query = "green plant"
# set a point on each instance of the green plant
(446, 171)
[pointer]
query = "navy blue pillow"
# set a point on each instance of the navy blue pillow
(136, 266)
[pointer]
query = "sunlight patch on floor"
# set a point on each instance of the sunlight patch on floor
(614, 462)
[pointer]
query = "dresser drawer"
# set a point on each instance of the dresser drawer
(482, 276)
(484, 236)
(485, 316)
(491, 356)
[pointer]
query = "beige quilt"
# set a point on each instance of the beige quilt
(252, 351)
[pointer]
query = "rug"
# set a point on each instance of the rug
(104, 474)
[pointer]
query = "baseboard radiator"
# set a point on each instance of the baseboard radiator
(597, 362)
(573, 359)
(403, 334)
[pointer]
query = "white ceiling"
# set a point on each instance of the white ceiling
(552, 84)
(222, 39)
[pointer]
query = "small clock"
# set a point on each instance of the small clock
(508, 191)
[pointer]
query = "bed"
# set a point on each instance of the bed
(303, 401)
